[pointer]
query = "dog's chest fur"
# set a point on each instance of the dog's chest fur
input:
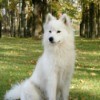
(61, 64)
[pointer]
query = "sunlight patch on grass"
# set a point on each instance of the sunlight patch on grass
(37, 51)
(11, 53)
(93, 53)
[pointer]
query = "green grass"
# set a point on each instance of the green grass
(18, 58)
(86, 81)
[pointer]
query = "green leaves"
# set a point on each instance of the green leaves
(12, 4)
(58, 7)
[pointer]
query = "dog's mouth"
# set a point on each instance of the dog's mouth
(57, 42)
(52, 42)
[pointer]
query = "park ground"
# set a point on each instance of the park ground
(18, 57)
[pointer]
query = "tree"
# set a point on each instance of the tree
(39, 13)
(41, 7)
(0, 21)
(25, 23)
(23, 26)
(0, 27)
(89, 26)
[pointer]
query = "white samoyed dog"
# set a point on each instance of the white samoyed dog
(52, 75)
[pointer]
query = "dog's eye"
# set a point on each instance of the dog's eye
(58, 31)
(50, 31)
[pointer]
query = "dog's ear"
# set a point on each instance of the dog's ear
(65, 19)
(49, 17)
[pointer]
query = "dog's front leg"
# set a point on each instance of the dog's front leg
(52, 87)
(65, 90)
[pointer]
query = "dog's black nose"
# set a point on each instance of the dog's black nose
(51, 39)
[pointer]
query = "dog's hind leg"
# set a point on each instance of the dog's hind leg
(30, 92)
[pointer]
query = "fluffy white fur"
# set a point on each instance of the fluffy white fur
(52, 76)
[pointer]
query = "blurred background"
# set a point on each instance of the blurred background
(24, 18)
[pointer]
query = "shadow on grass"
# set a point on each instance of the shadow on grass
(82, 95)
(87, 44)
(86, 84)
(89, 70)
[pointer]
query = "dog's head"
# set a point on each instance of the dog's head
(56, 31)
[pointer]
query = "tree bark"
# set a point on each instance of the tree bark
(86, 22)
(92, 21)
(98, 20)
(40, 11)
(12, 24)
(82, 28)
(0, 28)
(23, 25)
(44, 10)
(82, 24)
(37, 18)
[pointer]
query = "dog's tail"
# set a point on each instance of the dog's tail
(14, 93)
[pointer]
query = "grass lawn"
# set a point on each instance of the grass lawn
(18, 58)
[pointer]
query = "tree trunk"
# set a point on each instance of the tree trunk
(23, 25)
(37, 18)
(40, 10)
(92, 21)
(29, 26)
(44, 10)
(0, 28)
(82, 24)
(86, 22)
(12, 24)
(98, 20)
(90, 24)
(82, 28)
